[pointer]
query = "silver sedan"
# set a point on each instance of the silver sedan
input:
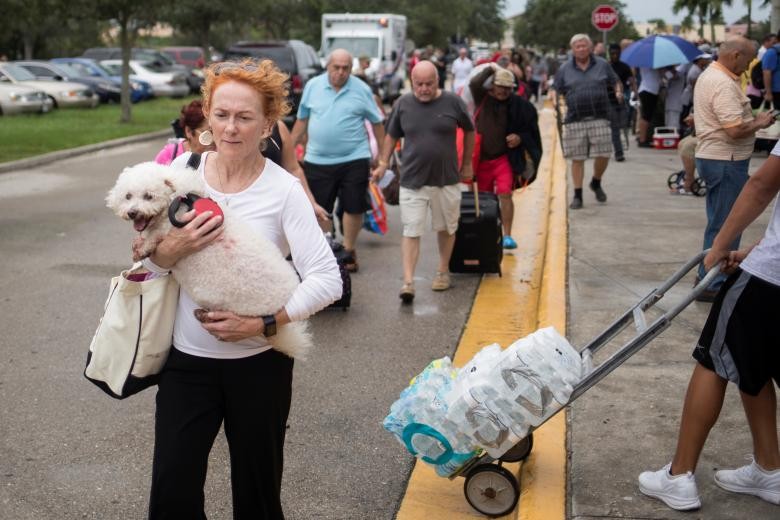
(17, 99)
(62, 93)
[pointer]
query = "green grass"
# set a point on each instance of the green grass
(34, 134)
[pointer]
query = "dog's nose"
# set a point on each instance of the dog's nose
(132, 214)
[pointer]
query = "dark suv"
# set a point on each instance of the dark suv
(166, 63)
(294, 57)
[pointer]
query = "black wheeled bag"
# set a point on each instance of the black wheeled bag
(342, 258)
(478, 247)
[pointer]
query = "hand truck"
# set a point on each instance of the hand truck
(493, 490)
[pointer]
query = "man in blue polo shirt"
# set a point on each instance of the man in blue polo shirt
(771, 71)
(332, 111)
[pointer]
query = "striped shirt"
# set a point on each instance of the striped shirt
(718, 103)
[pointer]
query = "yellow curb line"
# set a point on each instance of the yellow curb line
(504, 310)
(543, 478)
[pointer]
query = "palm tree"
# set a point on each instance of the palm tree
(698, 8)
(716, 15)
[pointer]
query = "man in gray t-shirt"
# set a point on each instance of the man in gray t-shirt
(428, 120)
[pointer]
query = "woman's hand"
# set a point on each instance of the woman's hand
(199, 232)
(321, 214)
(230, 327)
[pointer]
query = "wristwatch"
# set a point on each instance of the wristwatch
(269, 323)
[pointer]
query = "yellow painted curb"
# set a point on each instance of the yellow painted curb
(543, 477)
(504, 310)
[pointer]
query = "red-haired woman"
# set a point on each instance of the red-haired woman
(223, 370)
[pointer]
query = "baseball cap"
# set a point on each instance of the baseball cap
(504, 78)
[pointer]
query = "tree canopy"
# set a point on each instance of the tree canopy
(549, 24)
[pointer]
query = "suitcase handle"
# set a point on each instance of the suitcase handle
(475, 189)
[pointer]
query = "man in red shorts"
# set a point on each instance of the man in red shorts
(510, 139)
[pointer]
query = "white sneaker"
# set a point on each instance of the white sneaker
(752, 480)
(678, 491)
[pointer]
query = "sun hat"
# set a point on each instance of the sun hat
(504, 78)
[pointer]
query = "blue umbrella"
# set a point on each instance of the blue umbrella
(659, 50)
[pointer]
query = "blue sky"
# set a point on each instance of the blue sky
(642, 10)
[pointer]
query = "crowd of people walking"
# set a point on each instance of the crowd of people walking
(484, 128)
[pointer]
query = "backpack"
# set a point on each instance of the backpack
(757, 75)
(757, 72)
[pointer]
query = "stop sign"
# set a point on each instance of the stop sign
(604, 18)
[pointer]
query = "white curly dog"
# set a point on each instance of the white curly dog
(242, 272)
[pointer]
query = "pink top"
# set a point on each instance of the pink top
(170, 151)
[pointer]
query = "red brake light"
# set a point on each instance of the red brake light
(297, 84)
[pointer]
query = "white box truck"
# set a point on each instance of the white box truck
(380, 37)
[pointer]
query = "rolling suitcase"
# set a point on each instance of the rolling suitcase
(478, 247)
(342, 257)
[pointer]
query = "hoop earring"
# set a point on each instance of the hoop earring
(206, 138)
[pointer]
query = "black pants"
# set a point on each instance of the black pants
(252, 396)
(617, 140)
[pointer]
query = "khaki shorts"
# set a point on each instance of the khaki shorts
(687, 146)
(444, 204)
(583, 139)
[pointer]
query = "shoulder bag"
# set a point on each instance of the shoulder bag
(133, 338)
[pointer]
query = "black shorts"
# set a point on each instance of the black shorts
(741, 339)
(647, 103)
(348, 181)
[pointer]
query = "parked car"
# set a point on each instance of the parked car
(163, 62)
(64, 94)
(294, 57)
(139, 89)
(105, 89)
(193, 57)
(17, 99)
(164, 81)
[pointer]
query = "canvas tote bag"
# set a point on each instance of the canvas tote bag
(133, 338)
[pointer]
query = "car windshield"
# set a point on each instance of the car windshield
(282, 56)
(70, 71)
(115, 69)
(17, 73)
(155, 66)
(88, 69)
(146, 56)
(355, 46)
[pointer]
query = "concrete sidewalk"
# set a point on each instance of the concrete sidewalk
(628, 423)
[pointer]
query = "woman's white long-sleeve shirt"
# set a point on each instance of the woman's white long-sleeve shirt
(276, 206)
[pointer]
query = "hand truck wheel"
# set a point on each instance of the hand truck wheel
(698, 188)
(519, 451)
(492, 490)
(673, 180)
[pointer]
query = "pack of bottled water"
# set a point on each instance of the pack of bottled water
(501, 394)
(447, 415)
(419, 421)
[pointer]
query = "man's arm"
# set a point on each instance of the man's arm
(767, 84)
(298, 130)
(748, 128)
(379, 133)
(466, 171)
(476, 83)
(383, 158)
